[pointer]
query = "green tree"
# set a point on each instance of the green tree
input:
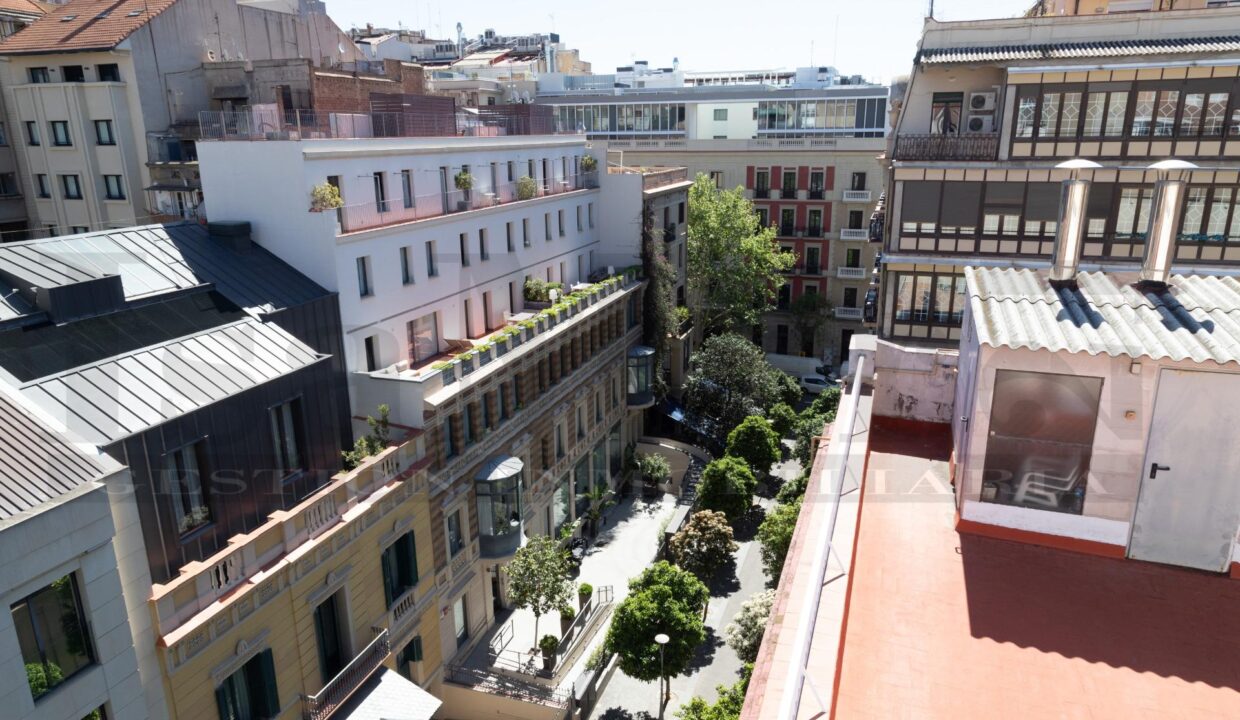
(371, 444)
(809, 313)
(744, 633)
(735, 267)
(726, 707)
(793, 489)
(704, 544)
(538, 577)
(782, 418)
(727, 486)
(664, 599)
(756, 443)
(729, 379)
(775, 536)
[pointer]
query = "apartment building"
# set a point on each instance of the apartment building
(95, 96)
(807, 158)
(1000, 113)
(1098, 7)
(521, 404)
(77, 640)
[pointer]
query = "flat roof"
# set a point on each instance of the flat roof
(713, 93)
(1194, 317)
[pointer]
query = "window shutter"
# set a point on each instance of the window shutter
(386, 564)
(1043, 201)
(412, 565)
(962, 204)
(221, 701)
(268, 701)
(417, 649)
(921, 201)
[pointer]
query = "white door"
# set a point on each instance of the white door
(1189, 504)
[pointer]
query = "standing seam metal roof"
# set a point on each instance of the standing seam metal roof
(1072, 50)
(1196, 317)
(36, 464)
(106, 401)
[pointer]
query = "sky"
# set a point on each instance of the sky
(872, 38)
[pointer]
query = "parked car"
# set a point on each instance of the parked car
(814, 384)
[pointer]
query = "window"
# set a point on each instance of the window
(1208, 215)
(525, 232)
(716, 176)
(60, 133)
(250, 693)
(945, 113)
(72, 73)
(560, 217)
(411, 653)
(467, 423)
(449, 442)
(406, 266)
(858, 181)
(32, 133)
(113, 188)
(1040, 440)
(108, 72)
(850, 297)
(589, 206)
(463, 241)
(380, 187)
(423, 337)
(431, 269)
(4, 136)
(680, 214)
(103, 133)
(371, 344)
(721, 113)
(762, 182)
(52, 633)
(482, 245)
(460, 621)
(329, 632)
(400, 568)
(1143, 113)
(1164, 121)
(364, 288)
(937, 298)
(72, 188)
(78, 229)
(559, 441)
(38, 75)
(581, 423)
(855, 219)
(1132, 217)
(286, 435)
(547, 225)
(580, 224)
(8, 184)
(508, 233)
(406, 188)
(184, 476)
(456, 535)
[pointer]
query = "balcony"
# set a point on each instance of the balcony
(854, 234)
(817, 194)
(321, 705)
(258, 123)
(813, 231)
(812, 269)
(975, 146)
(848, 313)
(856, 196)
(850, 273)
(787, 230)
(760, 193)
(393, 211)
(788, 194)
(652, 179)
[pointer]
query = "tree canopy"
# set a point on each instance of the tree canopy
(727, 486)
(744, 633)
(735, 265)
(730, 379)
(538, 577)
(704, 544)
(755, 442)
(663, 599)
(775, 536)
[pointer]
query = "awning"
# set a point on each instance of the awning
(388, 696)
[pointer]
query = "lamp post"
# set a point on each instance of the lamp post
(662, 639)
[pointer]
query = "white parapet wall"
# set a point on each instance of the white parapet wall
(914, 383)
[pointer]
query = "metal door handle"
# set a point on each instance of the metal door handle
(1155, 467)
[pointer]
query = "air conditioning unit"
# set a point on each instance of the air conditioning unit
(983, 101)
(980, 123)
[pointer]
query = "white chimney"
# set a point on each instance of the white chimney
(1164, 220)
(1070, 230)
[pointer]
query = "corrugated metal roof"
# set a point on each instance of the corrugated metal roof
(156, 259)
(37, 464)
(1196, 317)
(111, 399)
(1077, 50)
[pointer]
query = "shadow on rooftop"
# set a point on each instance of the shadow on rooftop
(1149, 618)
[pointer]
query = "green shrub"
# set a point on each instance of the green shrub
(526, 188)
(727, 486)
(783, 419)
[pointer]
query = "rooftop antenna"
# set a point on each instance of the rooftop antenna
(930, 11)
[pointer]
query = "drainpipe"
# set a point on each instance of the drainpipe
(1164, 221)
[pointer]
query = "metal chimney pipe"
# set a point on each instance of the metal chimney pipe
(1073, 199)
(1164, 220)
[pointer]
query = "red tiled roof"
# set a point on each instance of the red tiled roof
(84, 25)
(23, 7)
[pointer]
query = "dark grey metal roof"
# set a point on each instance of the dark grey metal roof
(154, 260)
(1195, 317)
(1079, 50)
(37, 464)
(105, 401)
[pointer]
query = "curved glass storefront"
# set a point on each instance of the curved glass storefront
(640, 373)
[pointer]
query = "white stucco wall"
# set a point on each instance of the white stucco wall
(914, 383)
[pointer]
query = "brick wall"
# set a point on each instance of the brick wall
(340, 91)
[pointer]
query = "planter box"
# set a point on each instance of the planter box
(448, 374)
(517, 339)
(501, 347)
(467, 366)
(565, 625)
(484, 356)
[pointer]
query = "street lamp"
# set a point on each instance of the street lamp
(662, 639)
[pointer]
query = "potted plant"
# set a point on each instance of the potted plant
(446, 370)
(588, 164)
(526, 188)
(325, 196)
(584, 592)
(567, 616)
(549, 645)
(484, 353)
(529, 328)
(464, 182)
(466, 359)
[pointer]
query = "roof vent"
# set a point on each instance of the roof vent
(1066, 255)
(133, 13)
(67, 18)
(1164, 220)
